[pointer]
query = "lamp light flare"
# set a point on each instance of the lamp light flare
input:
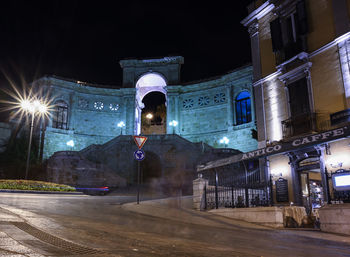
(224, 140)
(173, 123)
(149, 116)
(121, 124)
(42, 108)
(25, 105)
(70, 143)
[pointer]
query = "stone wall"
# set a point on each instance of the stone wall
(5, 134)
(335, 218)
(169, 165)
(71, 168)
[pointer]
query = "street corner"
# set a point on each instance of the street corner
(8, 216)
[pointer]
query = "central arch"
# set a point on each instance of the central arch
(147, 83)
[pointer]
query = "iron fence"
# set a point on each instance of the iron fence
(237, 185)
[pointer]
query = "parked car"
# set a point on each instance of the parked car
(90, 190)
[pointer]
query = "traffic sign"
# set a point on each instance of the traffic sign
(140, 141)
(139, 155)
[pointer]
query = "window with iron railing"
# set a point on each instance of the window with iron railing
(298, 125)
(60, 115)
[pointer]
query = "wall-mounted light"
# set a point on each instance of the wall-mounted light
(173, 124)
(120, 125)
(70, 143)
(224, 140)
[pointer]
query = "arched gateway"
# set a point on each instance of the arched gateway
(149, 82)
(153, 75)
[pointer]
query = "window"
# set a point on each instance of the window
(187, 103)
(219, 98)
(298, 98)
(60, 115)
(98, 106)
(301, 120)
(288, 32)
(243, 108)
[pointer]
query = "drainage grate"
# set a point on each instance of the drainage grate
(56, 241)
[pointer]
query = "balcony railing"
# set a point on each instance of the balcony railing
(298, 125)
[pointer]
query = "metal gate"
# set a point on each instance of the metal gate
(237, 185)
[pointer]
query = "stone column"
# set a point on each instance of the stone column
(130, 115)
(170, 113)
(253, 30)
(177, 116)
(230, 113)
(260, 115)
(321, 150)
(199, 185)
(258, 90)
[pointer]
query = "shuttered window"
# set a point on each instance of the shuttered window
(276, 35)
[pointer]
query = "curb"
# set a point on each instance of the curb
(39, 192)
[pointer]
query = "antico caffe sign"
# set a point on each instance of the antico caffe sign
(304, 141)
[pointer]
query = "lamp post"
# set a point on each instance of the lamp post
(32, 107)
(121, 125)
(225, 141)
(173, 123)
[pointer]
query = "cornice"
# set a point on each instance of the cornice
(258, 13)
(151, 62)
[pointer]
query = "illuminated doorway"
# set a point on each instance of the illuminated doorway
(150, 87)
(153, 115)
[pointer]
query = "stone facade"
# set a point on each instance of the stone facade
(205, 110)
(169, 164)
(302, 80)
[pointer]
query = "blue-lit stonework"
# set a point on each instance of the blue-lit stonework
(205, 110)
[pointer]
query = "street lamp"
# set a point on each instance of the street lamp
(121, 125)
(225, 141)
(149, 116)
(173, 123)
(32, 107)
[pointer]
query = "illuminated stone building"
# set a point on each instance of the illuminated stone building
(300, 57)
(204, 111)
(89, 118)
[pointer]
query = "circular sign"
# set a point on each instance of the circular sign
(139, 155)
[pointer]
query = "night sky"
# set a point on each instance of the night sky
(85, 40)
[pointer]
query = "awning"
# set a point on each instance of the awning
(299, 143)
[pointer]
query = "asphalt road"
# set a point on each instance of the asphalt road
(101, 222)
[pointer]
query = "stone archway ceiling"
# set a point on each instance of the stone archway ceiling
(150, 82)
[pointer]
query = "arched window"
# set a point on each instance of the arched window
(243, 108)
(60, 115)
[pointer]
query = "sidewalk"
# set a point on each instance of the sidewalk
(16, 242)
(11, 237)
(180, 209)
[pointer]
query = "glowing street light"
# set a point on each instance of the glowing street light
(173, 123)
(70, 143)
(225, 141)
(121, 125)
(149, 116)
(32, 107)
